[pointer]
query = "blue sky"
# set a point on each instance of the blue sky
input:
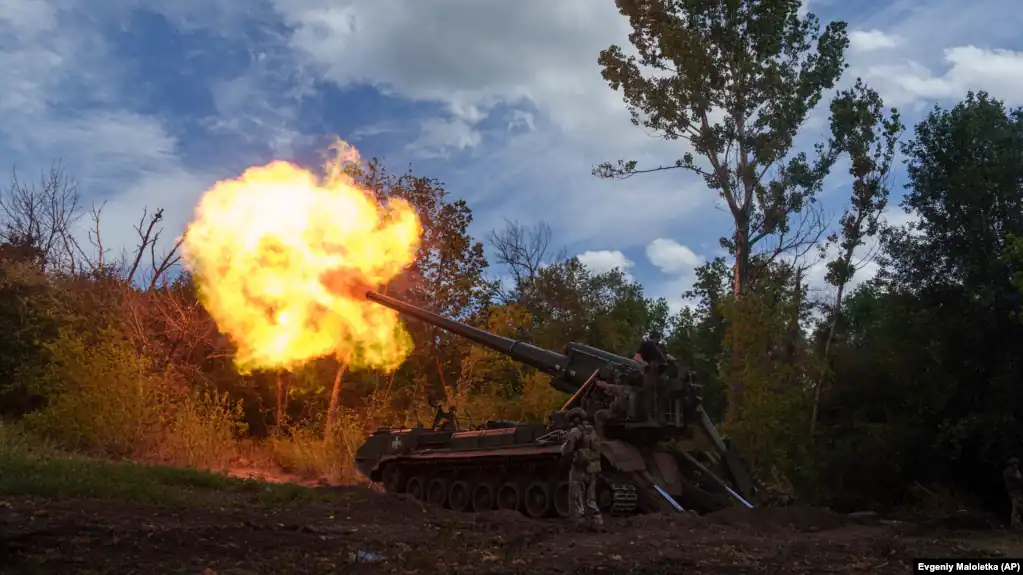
(149, 103)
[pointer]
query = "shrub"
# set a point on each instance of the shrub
(102, 399)
(203, 431)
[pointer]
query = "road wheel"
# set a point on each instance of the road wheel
(537, 500)
(416, 487)
(508, 496)
(460, 496)
(483, 497)
(437, 492)
(393, 478)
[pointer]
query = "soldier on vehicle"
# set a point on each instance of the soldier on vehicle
(1014, 485)
(652, 353)
(582, 447)
(651, 349)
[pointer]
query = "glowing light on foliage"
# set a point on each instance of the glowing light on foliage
(283, 258)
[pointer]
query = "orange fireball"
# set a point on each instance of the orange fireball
(283, 257)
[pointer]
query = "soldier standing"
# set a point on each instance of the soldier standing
(651, 350)
(581, 445)
(1014, 485)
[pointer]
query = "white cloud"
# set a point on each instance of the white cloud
(58, 59)
(998, 71)
(672, 257)
(678, 261)
(945, 47)
(440, 136)
(871, 41)
(532, 61)
(601, 261)
(540, 58)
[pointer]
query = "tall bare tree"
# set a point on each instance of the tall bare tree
(524, 251)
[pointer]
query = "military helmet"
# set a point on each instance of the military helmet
(1013, 461)
(576, 413)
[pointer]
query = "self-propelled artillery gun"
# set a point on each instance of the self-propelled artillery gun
(660, 450)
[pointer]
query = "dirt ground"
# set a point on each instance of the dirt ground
(367, 532)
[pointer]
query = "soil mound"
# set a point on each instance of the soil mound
(362, 532)
(803, 519)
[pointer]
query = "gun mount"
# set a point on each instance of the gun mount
(648, 416)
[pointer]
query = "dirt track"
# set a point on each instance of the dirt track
(372, 533)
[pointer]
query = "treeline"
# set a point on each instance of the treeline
(904, 390)
(117, 357)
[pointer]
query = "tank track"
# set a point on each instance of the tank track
(536, 488)
(624, 499)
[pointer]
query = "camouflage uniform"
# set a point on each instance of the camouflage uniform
(581, 444)
(1014, 485)
(617, 410)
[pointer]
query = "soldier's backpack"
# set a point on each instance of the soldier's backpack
(587, 453)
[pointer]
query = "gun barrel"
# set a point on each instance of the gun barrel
(542, 359)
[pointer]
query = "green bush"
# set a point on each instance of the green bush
(31, 314)
(102, 399)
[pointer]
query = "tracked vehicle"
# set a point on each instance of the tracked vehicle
(660, 450)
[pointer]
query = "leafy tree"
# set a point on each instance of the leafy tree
(1013, 259)
(735, 79)
(965, 166)
(695, 334)
(860, 129)
(31, 312)
(927, 370)
(767, 424)
(493, 386)
(570, 303)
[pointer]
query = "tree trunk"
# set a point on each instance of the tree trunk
(335, 400)
(739, 286)
(282, 401)
(740, 283)
(791, 347)
(827, 350)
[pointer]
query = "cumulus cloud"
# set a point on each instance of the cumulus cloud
(998, 71)
(514, 90)
(476, 58)
(601, 261)
(441, 136)
(871, 40)
(61, 100)
(677, 261)
(672, 257)
(945, 48)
